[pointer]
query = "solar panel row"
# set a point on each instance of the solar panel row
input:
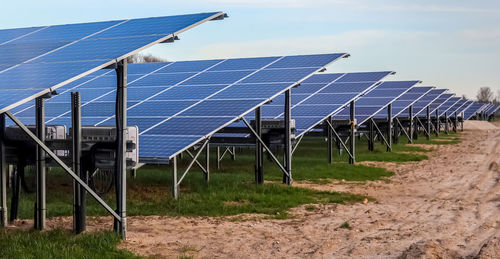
(42, 59)
(177, 104)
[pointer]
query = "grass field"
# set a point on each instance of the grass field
(230, 191)
(60, 244)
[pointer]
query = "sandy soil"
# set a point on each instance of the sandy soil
(445, 207)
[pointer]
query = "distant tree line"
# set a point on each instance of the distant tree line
(142, 58)
(486, 95)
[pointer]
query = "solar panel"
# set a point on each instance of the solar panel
(322, 95)
(455, 108)
(464, 107)
(419, 108)
(444, 109)
(435, 104)
(43, 59)
(492, 110)
(405, 101)
(188, 100)
(472, 110)
(376, 100)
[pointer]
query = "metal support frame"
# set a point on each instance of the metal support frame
(16, 190)
(259, 157)
(455, 123)
(438, 123)
(396, 131)
(446, 125)
(62, 164)
(401, 128)
(410, 126)
(371, 136)
(175, 182)
(329, 142)
(230, 150)
(389, 128)
(3, 174)
(352, 139)
(287, 178)
(428, 123)
(120, 226)
(79, 193)
(41, 188)
(382, 138)
(205, 168)
(297, 142)
(339, 140)
(258, 138)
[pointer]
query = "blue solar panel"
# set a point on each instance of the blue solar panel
(454, 109)
(472, 110)
(377, 99)
(420, 107)
(444, 109)
(405, 101)
(323, 95)
(75, 50)
(188, 100)
(438, 103)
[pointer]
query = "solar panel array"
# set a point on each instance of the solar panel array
(405, 101)
(420, 107)
(177, 104)
(322, 95)
(434, 105)
(37, 60)
(446, 106)
(376, 100)
(472, 110)
(492, 110)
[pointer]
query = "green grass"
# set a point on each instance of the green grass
(346, 225)
(231, 190)
(60, 244)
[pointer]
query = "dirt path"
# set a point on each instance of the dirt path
(447, 206)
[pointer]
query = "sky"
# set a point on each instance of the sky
(453, 44)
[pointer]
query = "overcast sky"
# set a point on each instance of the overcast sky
(452, 44)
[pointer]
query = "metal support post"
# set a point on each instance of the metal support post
(410, 126)
(329, 141)
(259, 158)
(207, 163)
(389, 128)
(218, 158)
(3, 174)
(40, 205)
(446, 125)
(79, 224)
(175, 187)
(121, 161)
(288, 139)
(455, 123)
(438, 123)
(16, 191)
(371, 136)
(352, 138)
(233, 153)
(428, 123)
(396, 132)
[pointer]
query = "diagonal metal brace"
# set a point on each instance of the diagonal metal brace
(380, 132)
(423, 127)
(265, 146)
(340, 140)
(63, 165)
(403, 128)
(194, 160)
(297, 143)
